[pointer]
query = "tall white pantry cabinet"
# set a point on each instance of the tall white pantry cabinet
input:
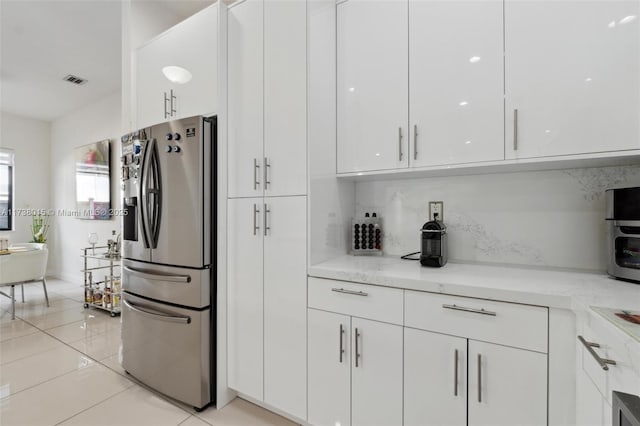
(267, 205)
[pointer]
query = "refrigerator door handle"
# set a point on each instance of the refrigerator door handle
(142, 189)
(154, 190)
(163, 316)
(158, 277)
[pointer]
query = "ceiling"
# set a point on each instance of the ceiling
(41, 41)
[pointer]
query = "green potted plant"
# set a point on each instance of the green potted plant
(39, 228)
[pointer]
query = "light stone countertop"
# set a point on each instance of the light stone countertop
(577, 291)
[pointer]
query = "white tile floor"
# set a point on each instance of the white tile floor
(60, 365)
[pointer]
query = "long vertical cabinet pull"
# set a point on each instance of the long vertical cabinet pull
(266, 219)
(256, 167)
(267, 169)
(341, 342)
(479, 378)
(166, 99)
(256, 227)
(399, 143)
(415, 142)
(455, 373)
(357, 337)
(515, 129)
(173, 110)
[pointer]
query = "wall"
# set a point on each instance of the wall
(30, 140)
(547, 218)
(91, 123)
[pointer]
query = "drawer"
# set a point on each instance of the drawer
(359, 300)
(623, 376)
(520, 326)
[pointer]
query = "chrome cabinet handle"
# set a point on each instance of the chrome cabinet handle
(602, 361)
(157, 277)
(455, 373)
(173, 110)
(256, 227)
(357, 347)
(166, 99)
(515, 129)
(415, 141)
(266, 219)
(479, 378)
(472, 310)
(341, 342)
(256, 167)
(399, 143)
(355, 293)
(267, 169)
(157, 314)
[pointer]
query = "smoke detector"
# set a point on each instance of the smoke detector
(75, 79)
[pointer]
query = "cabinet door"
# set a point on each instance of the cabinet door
(507, 386)
(376, 373)
(245, 296)
(151, 85)
(372, 85)
(592, 409)
(435, 379)
(196, 43)
(285, 301)
(576, 84)
(456, 88)
(329, 389)
(285, 97)
(245, 96)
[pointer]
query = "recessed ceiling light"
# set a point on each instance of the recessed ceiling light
(474, 59)
(463, 103)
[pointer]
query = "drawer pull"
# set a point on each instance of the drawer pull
(355, 293)
(602, 361)
(472, 310)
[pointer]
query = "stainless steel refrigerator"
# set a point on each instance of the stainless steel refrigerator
(168, 277)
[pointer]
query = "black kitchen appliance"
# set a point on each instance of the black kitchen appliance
(434, 244)
(625, 409)
(623, 233)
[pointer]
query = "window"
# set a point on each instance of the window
(6, 189)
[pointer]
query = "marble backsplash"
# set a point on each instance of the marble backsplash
(547, 218)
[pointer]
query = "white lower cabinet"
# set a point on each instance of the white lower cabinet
(450, 380)
(435, 379)
(355, 371)
(329, 368)
(267, 277)
(507, 386)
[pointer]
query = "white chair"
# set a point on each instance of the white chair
(26, 263)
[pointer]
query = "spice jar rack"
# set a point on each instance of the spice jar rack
(102, 280)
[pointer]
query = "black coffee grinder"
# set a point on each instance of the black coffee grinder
(434, 243)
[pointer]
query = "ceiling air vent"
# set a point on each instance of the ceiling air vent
(74, 79)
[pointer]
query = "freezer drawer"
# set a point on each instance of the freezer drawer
(168, 349)
(180, 286)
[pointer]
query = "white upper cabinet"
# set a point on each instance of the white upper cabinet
(267, 73)
(192, 45)
(573, 76)
(285, 97)
(372, 50)
(245, 99)
(455, 81)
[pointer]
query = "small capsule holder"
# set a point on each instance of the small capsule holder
(366, 236)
